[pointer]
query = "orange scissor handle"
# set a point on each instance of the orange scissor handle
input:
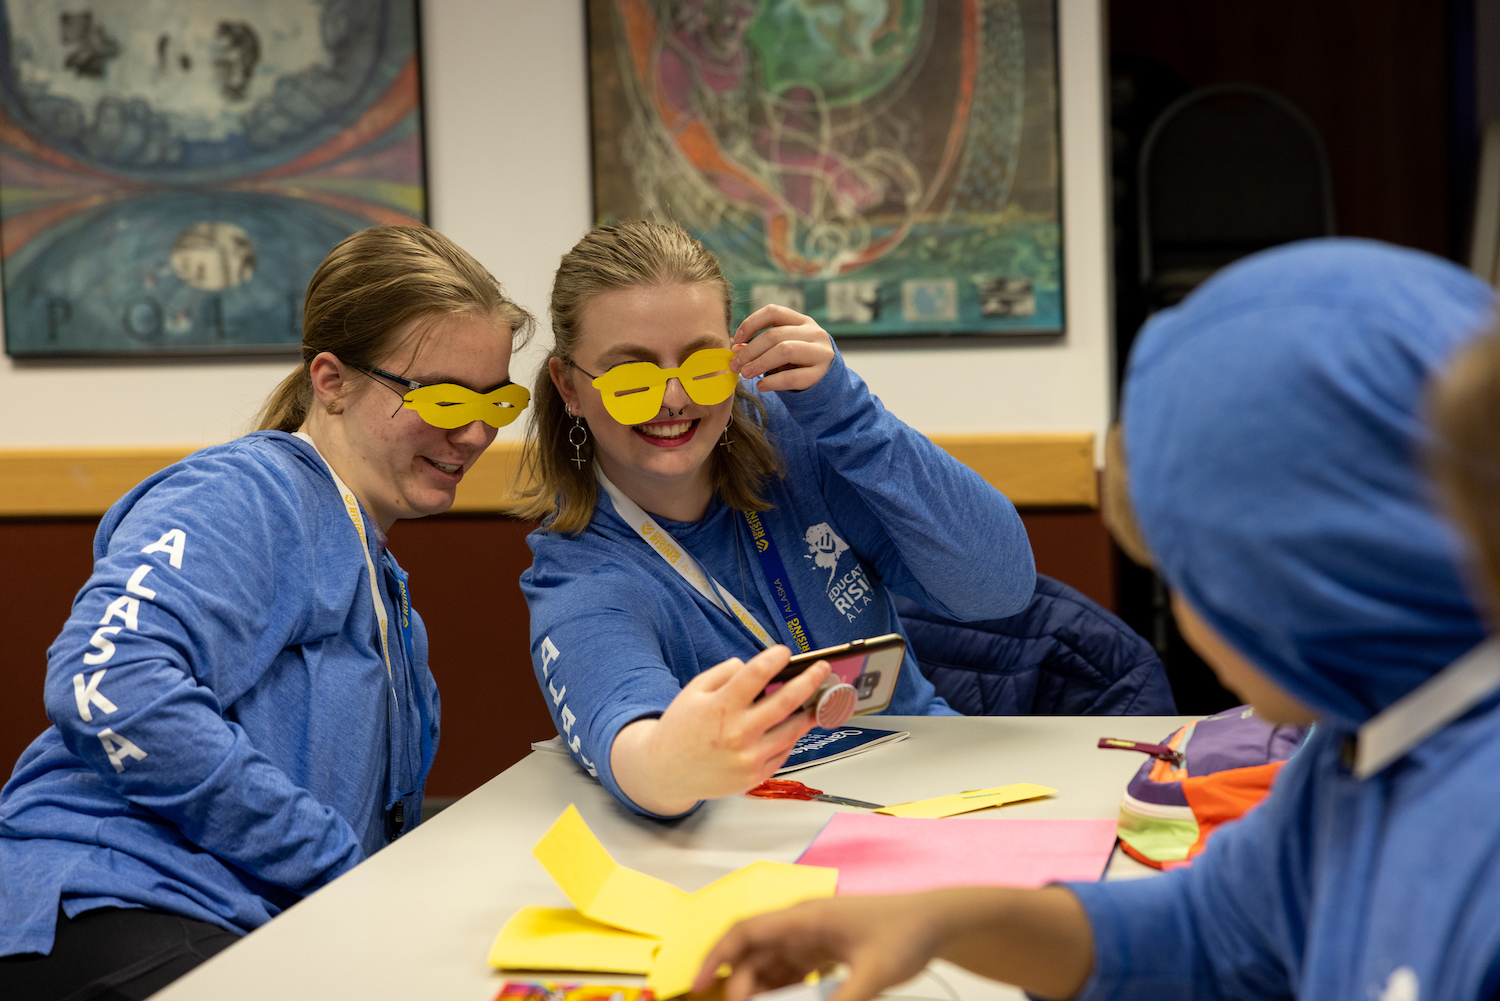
(783, 789)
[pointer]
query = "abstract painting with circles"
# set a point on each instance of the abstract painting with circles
(173, 171)
(891, 167)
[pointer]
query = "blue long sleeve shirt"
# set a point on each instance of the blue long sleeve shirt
(868, 507)
(1275, 422)
(226, 737)
(1331, 888)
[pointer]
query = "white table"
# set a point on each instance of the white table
(417, 919)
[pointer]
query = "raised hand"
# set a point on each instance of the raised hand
(790, 350)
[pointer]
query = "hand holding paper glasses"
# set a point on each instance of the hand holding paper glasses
(633, 392)
(448, 405)
(862, 679)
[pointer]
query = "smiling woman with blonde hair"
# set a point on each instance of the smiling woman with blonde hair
(241, 703)
(714, 501)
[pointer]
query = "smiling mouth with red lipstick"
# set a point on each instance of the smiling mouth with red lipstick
(667, 434)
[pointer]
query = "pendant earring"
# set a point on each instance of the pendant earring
(725, 442)
(578, 436)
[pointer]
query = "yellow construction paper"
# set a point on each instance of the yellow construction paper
(968, 802)
(552, 938)
(634, 923)
(754, 889)
(601, 888)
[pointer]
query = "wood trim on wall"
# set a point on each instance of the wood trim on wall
(1033, 470)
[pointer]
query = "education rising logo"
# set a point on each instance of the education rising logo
(849, 593)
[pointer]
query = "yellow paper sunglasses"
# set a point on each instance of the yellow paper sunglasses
(448, 405)
(633, 392)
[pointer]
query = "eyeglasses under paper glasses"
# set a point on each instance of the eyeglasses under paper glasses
(448, 405)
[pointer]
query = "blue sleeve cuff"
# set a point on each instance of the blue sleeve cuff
(827, 391)
(1138, 952)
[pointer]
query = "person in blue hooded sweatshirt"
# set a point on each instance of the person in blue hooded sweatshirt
(241, 703)
(806, 502)
(1274, 426)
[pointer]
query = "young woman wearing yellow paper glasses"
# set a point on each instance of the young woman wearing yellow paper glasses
(701, 527)
(241, 700)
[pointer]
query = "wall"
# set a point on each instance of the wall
(476, 622)
(508, 151)
(1371, 74)
(508, 155)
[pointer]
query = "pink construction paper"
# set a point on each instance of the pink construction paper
(878, 854)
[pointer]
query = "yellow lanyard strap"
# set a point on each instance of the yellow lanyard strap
(351, 507)
(682, 561)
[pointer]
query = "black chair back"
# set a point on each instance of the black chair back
(1225, 171)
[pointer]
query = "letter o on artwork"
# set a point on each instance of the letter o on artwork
(142, 318)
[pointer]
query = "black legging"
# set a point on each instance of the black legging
(111, 954)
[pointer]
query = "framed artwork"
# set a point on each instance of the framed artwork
(173, 171)
(889, 167)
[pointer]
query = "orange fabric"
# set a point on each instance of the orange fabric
(1224, 796)
(1153, 863)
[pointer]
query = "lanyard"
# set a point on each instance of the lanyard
(681, 560)
(1428, 708)
(351, 507)
(403, 606)
(776, 577)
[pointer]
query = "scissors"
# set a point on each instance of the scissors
(792, 789)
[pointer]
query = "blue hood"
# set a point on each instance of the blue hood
(1274, 432)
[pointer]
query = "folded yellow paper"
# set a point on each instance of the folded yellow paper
(755, 889)
(600, 887)
(628, 922)
(968, 802)
(552, 938)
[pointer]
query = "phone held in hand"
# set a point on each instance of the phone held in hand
(862, 681)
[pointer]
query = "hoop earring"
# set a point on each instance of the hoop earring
(578, 436)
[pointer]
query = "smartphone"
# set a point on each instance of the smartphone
(870, 665)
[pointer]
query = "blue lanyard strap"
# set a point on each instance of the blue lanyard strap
(776, 577)
(403, 612)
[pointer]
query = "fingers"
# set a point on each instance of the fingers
(728, 951)
(806, 330)
(784, 349)
(793, 353)
(773, 327)
(779, 741)
(781, 738)
(749, 680)
(765, 952)
(767, 316)
(719, 675)
(789, 697)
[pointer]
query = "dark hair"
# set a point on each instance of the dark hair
(367, 289)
